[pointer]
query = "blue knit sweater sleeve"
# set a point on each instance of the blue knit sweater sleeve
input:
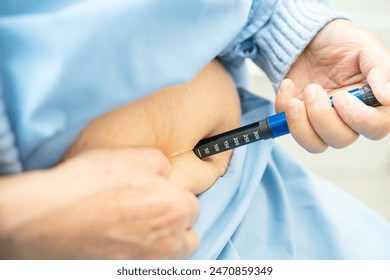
(277, 32)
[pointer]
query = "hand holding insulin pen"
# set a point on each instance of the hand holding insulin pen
(270, 127)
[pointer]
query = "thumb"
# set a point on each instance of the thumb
(119, 163)
(379, 80)
(151, 160)
(375, 65)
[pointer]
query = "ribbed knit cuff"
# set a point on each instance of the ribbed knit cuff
(290, 29)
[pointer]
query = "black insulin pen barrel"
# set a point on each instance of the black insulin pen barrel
(270, 127)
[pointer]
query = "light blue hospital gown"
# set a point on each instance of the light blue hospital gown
(64, 62)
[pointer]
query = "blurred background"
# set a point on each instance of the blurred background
(363, 169)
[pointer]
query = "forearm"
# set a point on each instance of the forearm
(21, 197)
(30, 196)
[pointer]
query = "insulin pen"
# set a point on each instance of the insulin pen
(270, 127)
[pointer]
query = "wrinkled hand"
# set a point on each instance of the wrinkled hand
(106, 205)
(342, 56)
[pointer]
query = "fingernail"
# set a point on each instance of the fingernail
(284, 86)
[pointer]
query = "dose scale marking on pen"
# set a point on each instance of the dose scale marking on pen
(270, 127)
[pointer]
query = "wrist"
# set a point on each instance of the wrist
(18, 197)
(291, 28)
(19, 205)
